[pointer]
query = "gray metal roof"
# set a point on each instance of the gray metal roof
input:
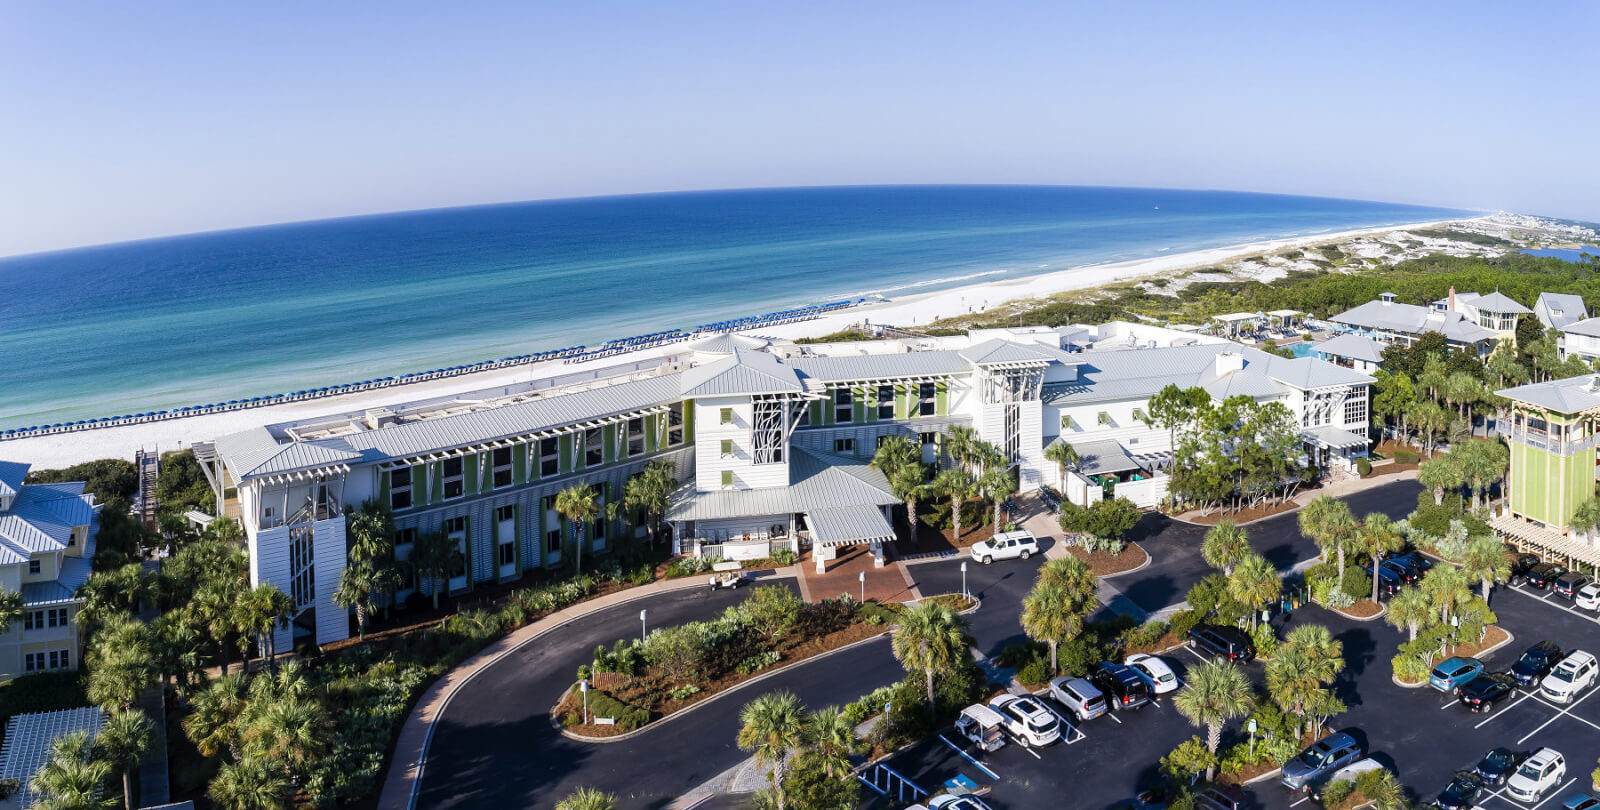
(1414, 320)
(1568, 396)
(816, 481)
(28, 739)
(744, 371)
(12, 474)
(725, 343)
(73, 573)
(1336, 437)
(998, 352)
(1104, 457)
(1108, 376)
(848, 525)
(1355, 347)
(1496, 302)
(257, 452)
(1588, 327)
(1559, 310)
(881, 366)
(1246, 383)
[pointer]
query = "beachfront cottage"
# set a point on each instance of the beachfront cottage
(771, 442)
(47, 537)
(1389, 321)
(1553, 431)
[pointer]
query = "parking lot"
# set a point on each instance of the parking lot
(1424, 736)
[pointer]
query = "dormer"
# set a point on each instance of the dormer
(1387, 298)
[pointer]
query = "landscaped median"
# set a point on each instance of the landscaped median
(633, 684)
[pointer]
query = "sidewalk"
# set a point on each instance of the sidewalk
(1338, 489)
(411, 750)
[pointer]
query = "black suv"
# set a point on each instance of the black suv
(1520, 566)
(1416, 561)
(1123, 687)
(1225, 642)
(1389, 581)
(1536, 663)
(1540, 576)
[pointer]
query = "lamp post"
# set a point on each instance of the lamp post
(642, 614)
(964, 580)
(862, 577)
(583, 686)
(1252, 727)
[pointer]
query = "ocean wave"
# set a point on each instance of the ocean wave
(932, 282)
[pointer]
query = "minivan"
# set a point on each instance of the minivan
(1225, 642)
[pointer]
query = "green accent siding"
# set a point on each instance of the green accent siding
(651, 425)
(469, 472)
(816, 412)
(902, 401)
(564, 451)
(1548, 488)
(383, 487)
(858, 405)
(436, 482)
(516, 535)
(688, 421)
(941, 406)
(608, 437)
(519, 467)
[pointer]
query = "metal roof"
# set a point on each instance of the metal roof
(1496, 302)
(1336, 437)
(845, 368)
(1355, 347)
(816, 481)
(1560, 310)
(73, 573)
(1414, 320)
(28, 739)
(1588, 327)
(994, 352)
(725, 343)
(1104, 457)
(1246, 383)
(1109, 376)
(743, 372)
(1237, 317)
(848, 525)
(12, 474)
(256, 452)
(1285, 313)
(1568, 396)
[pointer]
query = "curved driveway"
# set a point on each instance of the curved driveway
(494, 745)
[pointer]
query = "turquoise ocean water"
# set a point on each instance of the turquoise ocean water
(163, 323)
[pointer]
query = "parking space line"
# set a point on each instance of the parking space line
(1303, 800)
(1115, 717)
(1518, 702)
(1566, 711)
(1554, 793)
(1028, 748)
(1197, 656)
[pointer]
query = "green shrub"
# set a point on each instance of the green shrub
(688, 566)
(758, 662)
(1357, 582)
(1184, 621)
(685, 691)
(1188, 760)
(1335, 793)
(783, 557)
(1265, 639)
(1036, 672)
(806, 784)
(1017, 656)
(1410, 668)
(1145, 635)
(1363, 467)
(1406, 457)
(1077, 656)
(628, 717)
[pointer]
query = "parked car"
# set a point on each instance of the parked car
(1540, 576)
(1568, 584)
(1080, 698)
(1574, 674)
(1454, 673)
(1005, 546)
(1482, 693)
(1123, 689)
(1321, 760)
(1536, 663)
(1498, 764)
(1461, 793)
(1349, 773)
(1028, 721)
(1153, 671)
(950, 801)
(1582, 801)
(1521, 564)
(1415, 559)
(1537, 775)
(1226, 642)
(1405, 572)
(1389, 582)
(1588, 597)
(1221, 797)
(983, 727)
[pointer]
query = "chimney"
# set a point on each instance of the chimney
(1594, 384)
(1450, 305)
(1229, 362)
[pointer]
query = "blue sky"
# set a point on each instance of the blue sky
(128, 120)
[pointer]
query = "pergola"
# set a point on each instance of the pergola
(1527, 536)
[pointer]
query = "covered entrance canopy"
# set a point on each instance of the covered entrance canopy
(1104, 457)
(1334, 438)
(848, 526)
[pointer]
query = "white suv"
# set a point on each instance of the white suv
(1574, 674)
(1027, 720)
(1588, 597)
(1537, 775)
(1005, 546)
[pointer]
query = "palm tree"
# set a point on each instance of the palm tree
(1331, 525)
(434, 555)
(1409, 609)
(1216, 693)
(587, 799)
(1461, 389)
(293, 732)
(1225, 546)
(959, 442)
(1307, 661)
(1439, 474)
(772, 727)
(908, 485)
(119, 590)
(1447, 587)
(250, 784)
(269, 609)
(217, 603)
(122, 741)
(1485, 560)
(650, 493)
(1253, 584)
(213, 721)
(956, 484)
(1375, 537)
(357, 583)
(1586, 518)
(998, 484)
(1064, 456)
(121, 662)
(830, 734)
(901, 462)
(929, 638)
(370, 532)
(579, 504)
(72, 778)
(1482, 465)
(1055, 610)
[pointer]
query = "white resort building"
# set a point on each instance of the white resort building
(47, 534)
(1389, 321)
(771, 441)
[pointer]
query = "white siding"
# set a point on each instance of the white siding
(710, 432)
(1036, 470)
(1134, 435)
(269, 563)
(328, 549)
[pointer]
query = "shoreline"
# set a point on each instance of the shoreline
(62, 450)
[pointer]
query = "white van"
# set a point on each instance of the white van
(983, 726)
(1005, 546)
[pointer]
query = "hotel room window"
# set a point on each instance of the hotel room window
(400, 488)
(34, 566)
(1355, 409)
(552, 541)
(727, 478)
(844, 445)
(453, 486)
(502, 467)
(927, 399)
(675, 424)
(727, 416)
(549, 457)
(844, 401)
(635, 437)
(885, 402)
(927, 438)
(727, 448)
(508, 540)
(594, 447)
(456, 529)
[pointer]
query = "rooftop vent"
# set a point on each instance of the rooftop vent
(379, 417)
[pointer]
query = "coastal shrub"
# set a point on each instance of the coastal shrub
(628, 717)
(1265, 640)
(685, 692)
(1410, 668)
(1185, 620)
(1188, 761)
(806, 784)
(1016, 656)
(822, 618)
(1406, 457)
(623, 658)
(1363, 467)
(1357, 582)
(1077, 656)
(758, 662)
(1036, 672)
(1145, 635)
(687, 566)
(1110, 545)
(783, 557)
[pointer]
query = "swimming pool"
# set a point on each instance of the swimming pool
(1301, 349)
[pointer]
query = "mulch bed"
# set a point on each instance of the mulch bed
(929, 539)
(1363, 609)
(1165, 643)
(628, 689)
(1245, 515)
(1103, 563)
(1494, 635)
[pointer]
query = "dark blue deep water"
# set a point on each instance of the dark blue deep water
(211, 317)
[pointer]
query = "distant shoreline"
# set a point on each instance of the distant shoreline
(911, 312)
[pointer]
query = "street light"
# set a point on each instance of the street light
(964, 580)
(641, 625)
(863, 578)
(583, 686)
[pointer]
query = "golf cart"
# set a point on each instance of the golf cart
(728, 574)
(983, 726)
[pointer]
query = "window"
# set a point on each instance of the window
(594, 447)
(635, 437)
(844, 401)
(885, 402)
(61, 662)
(881, 440)
(727, 416)
(40, 661)
(675, 424)
(33, 620)
(549, 458)
(72, 539)
(844, 445)
(928, 438)
(1138, 414)
(727, 448)
(456, 529)
(34, 567)
(1104, 418)
(403, 540)
(1355, 408)
(508, 553)
(727, 478)
(506, 533)
(400, 488)
(57, 616)
(552, 541)
(302, 570)
(453, 486)
(502, 467)
(927, 399)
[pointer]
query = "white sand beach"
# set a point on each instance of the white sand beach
(122, 442)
